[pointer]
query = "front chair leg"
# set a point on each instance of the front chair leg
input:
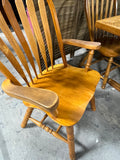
(26, 117)
(89, 60)
(107, 73)
(71, 145)
(92, 103)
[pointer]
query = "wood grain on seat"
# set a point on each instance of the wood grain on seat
(74, 88)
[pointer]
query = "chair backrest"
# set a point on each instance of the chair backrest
(36, 40)
(96, 10)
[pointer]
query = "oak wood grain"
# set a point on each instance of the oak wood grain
(43, 14)
(37, 31)
(100, 20)
(111, 24)
(63, 81)
(61, 91)
(83, 44)
(13, 21)
(28, 31)
(42, 98)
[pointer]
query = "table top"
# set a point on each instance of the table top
(111, 24)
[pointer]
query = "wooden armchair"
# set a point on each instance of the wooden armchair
(61, 91)
(110, 44)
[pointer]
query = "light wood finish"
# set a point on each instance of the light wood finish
(107, 72)
(92, 102)
(26, 117)
(111, 24)
(100, 16)
(70, 138)
(47, 129)
(57, 30)
(45, 116)
(101, 11)
(83, 44)
(8, 10)
(63, 81)
(111, 8)
(46, 28)
(44, 99)
(89, 60)
(58, 128)
(28, 31)
(61, 91)
(114, 84)
(5, 29)
(37, 31)
(8, 74)
(6, 51)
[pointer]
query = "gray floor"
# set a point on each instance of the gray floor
(97, 135)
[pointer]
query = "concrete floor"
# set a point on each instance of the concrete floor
(97, 135)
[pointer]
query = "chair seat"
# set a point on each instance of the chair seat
(75, 88)
(110, 47)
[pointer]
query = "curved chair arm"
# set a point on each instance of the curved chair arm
(83, 44)
(43, 98)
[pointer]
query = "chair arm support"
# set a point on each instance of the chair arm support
(43, 98)
(83, 44)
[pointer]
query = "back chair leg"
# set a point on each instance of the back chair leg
(26, 117)
(71, 145)
(92, 103)
(107, 73)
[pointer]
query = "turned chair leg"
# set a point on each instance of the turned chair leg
(71, 145)
(92, 103)
(107, 73)
(26, 117)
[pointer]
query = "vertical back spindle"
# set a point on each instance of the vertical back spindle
(57, 30)
(111, 8)
(6, 51)
(46, 28)
(14, 44)
(8, 74)
(28, 31)
(93, 18)
(101, 11)
(13, 21)
(106, 9)
(37, 31)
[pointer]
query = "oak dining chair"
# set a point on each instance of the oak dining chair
(110, 44)
(61, 91)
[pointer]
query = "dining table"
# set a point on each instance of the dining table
(111, 25)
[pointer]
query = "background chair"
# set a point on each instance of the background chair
(61, 91)
(110, 44)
